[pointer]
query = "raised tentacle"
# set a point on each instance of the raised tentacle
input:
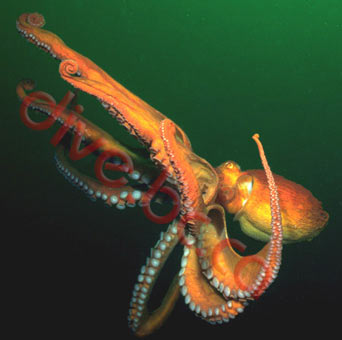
(270, 269)
(139, 118)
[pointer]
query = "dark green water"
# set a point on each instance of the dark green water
(222, 70)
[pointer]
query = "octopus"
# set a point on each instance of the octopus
(216, 282)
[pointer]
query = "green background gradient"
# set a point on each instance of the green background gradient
(222, 70)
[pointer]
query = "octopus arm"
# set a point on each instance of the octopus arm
(142, 321)
(80, 125)
(138, 117)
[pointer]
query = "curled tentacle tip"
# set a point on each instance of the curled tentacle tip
(35, 19)
(256, 136)
(28, 84)
(68, 67)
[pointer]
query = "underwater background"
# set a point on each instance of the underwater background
(222, 70)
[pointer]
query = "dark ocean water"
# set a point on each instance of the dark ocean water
(222, 70)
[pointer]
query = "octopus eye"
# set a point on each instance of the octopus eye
(229, 165)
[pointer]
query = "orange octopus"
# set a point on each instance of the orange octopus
(216, 282)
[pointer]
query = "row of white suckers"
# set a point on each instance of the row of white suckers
(31, 36)
(225, 290)
(138, 298)
(148, 274)
(44, 46)
(74, 180)
(209, 274)
(93, 195)
(212, 314)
